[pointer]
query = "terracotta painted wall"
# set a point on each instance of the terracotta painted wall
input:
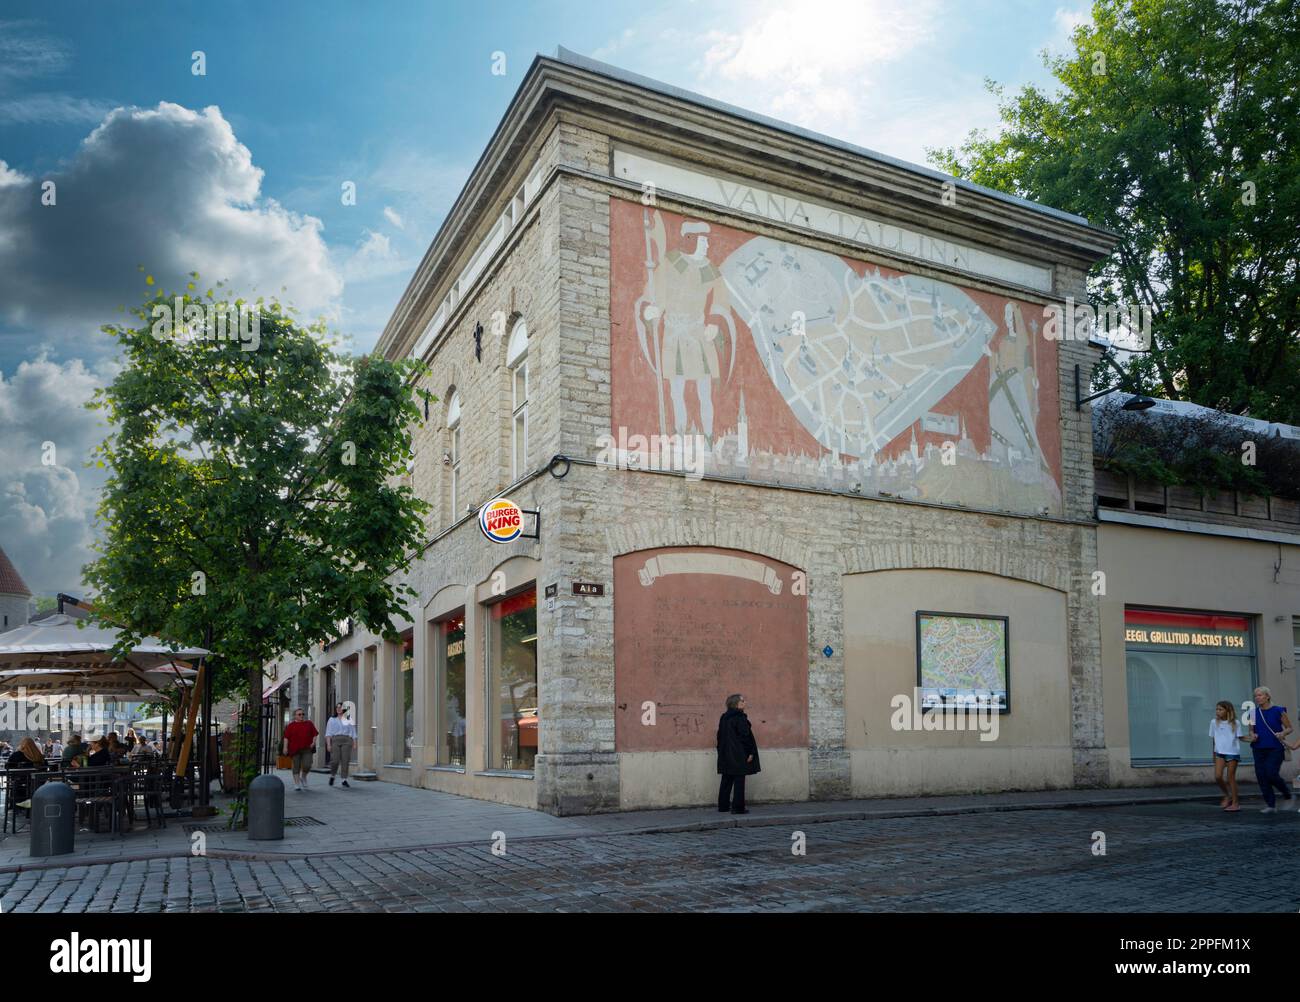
(693, 625)
(793, 365)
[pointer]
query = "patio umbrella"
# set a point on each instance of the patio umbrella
(48, 684)
(58, 642)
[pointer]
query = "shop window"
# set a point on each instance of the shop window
(1179, 664)
(512, 649)
(405, 693)
(450, 686)
(517, 362)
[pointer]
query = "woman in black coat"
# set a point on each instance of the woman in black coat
(737, 755)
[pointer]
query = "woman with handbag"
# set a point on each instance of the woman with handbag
(300, 745)
(1270, 726)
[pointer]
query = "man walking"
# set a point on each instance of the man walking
(300, 745)
(737, 755)
(340, 734)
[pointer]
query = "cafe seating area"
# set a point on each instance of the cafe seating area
(114, 799)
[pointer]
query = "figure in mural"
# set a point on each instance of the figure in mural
(1013, 395)
(684, 294)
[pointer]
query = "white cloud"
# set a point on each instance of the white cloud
(10, 176)
(391, 215)
(27, 54)
(52, 108)
(1064, 21)
(425, 185)
(46, 512)
(373, 258)
(817, 64)
(170, 189)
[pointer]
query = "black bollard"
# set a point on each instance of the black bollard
(266, 808)
(54, 820)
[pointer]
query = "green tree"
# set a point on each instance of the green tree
(1175, 126)
(256, 486)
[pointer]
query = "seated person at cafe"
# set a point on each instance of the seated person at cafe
(116, 750)
(141, 752)
(73, 749)
(27, 756)
(99, 754)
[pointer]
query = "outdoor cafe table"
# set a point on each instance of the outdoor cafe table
(119, 777)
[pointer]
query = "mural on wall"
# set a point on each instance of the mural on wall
(780, 363)
(682, 615)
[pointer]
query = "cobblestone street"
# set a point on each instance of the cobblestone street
(1179, 857)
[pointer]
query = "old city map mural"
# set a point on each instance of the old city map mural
(786, 364)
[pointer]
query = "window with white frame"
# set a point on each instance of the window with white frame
(517, 362)
(453, 426)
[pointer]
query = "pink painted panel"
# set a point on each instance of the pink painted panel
(693, 625)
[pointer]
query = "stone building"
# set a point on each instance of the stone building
(782, 416)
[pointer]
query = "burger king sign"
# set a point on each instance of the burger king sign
(501, 520)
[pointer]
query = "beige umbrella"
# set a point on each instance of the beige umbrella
(59, 642)
(48, 684)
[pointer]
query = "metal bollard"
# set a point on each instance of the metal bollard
(266, 808)
(54, 820)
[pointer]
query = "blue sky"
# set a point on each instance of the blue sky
(237, 173)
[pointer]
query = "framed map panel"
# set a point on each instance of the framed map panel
(963, 661)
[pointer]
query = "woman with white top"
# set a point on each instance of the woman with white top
(341, 735)
(1226, 731)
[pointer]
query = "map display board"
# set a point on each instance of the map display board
(962, 660)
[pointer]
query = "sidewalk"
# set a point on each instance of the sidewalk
(377, 816)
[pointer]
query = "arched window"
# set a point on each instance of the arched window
(453, 426)
(517, 362)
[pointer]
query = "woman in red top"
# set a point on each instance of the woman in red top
(300, 745)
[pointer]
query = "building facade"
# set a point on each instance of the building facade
(783, 417)
(1202, 604)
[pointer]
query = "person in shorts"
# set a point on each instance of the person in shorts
(1226, 730)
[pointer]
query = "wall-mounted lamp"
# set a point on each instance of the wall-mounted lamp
(446, 459)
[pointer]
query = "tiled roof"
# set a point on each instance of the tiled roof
(11, 582)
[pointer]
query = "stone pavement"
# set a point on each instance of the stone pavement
(376, 816)
(1167, 856)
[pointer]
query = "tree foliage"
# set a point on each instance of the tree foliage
(1176, 127)
(258, 493)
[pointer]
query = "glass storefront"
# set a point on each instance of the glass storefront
(450, 686)
(512, 649)
(406, 698)
(1179, 665)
